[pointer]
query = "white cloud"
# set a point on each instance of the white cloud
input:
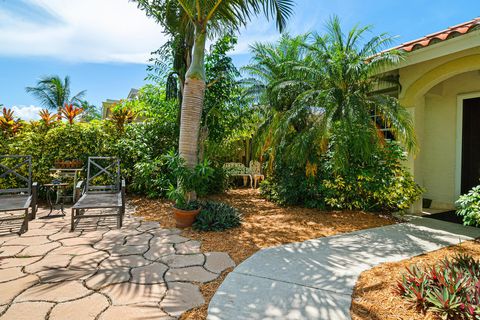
(85, 31)
(26, 113)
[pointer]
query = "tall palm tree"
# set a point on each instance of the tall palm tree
(211, 17)
(270, 65)
(340, 78)
(53, 93)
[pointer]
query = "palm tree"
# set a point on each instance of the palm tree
(53, 93)
(271, 64)
(209, 18)
(339, 78)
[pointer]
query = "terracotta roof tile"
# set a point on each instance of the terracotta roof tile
(443, 35)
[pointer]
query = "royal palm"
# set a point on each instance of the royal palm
(210, 18)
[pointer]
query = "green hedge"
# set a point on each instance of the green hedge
(383, 185)
(140, 148)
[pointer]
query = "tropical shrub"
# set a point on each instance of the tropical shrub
(122, 114)
(379, 185)
(190, 181)
(152, 178)
(469, 207)
(47, 118)
(217, 216)
(71, 112)
(9, 125)
(62, 142)
(449, 289)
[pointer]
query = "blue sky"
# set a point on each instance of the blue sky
(103, 45)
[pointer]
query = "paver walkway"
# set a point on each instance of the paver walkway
(99, 272)
(315, 279)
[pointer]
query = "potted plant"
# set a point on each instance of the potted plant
(191, 182)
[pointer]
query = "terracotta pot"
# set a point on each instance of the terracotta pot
(185, 218)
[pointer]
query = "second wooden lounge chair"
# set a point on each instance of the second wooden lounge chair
(104, 189)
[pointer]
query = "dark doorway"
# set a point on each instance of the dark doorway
(470, 144)
(449, 216)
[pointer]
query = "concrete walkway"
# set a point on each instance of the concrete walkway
(315, 279)
(141, 271)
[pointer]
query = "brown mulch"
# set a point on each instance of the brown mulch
(373, 297)
(265, 224)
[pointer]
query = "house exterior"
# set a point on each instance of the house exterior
(440, 86)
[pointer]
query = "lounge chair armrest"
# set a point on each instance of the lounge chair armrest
(122, 190)
(33, 204)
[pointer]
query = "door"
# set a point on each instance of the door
(470, 144)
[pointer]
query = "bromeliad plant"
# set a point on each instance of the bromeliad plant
(122, 114)
(191, 182)
(8, 124)
(450, 289)
(217, 216)
(47, 118)
(71, 112)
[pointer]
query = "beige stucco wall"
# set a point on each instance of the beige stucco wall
(430, 90)
(439, 146)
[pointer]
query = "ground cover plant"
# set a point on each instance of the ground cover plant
(445, 268)
(217, 216)
(450, 288)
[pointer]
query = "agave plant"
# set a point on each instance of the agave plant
(9, 125)
(47, 118)
(70, 112)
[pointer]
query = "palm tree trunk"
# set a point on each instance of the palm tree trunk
(59, 113)
(192, 103)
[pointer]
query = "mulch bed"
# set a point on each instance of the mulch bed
(373, 297)
(265, 224)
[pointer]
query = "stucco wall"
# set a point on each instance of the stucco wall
(430, 90)
(439, 149)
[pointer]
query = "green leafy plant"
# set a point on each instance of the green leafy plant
(191, 182)
(469, 207)
(450, 289)
(217, 216)
(380, 185)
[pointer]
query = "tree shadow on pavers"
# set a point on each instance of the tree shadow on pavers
(334, 263)
(96, 223)
(10, 227)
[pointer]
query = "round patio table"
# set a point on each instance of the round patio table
(57, 189)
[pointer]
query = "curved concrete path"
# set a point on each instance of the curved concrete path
(315, 279)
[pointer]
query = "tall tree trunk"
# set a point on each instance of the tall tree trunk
(59, 113)
(192, 103)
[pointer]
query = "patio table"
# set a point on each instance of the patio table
(69, 173)
(56, 188)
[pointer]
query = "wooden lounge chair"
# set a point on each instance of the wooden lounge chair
(17, 170)
(103, 189)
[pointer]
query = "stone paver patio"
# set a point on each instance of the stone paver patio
(141, 271)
